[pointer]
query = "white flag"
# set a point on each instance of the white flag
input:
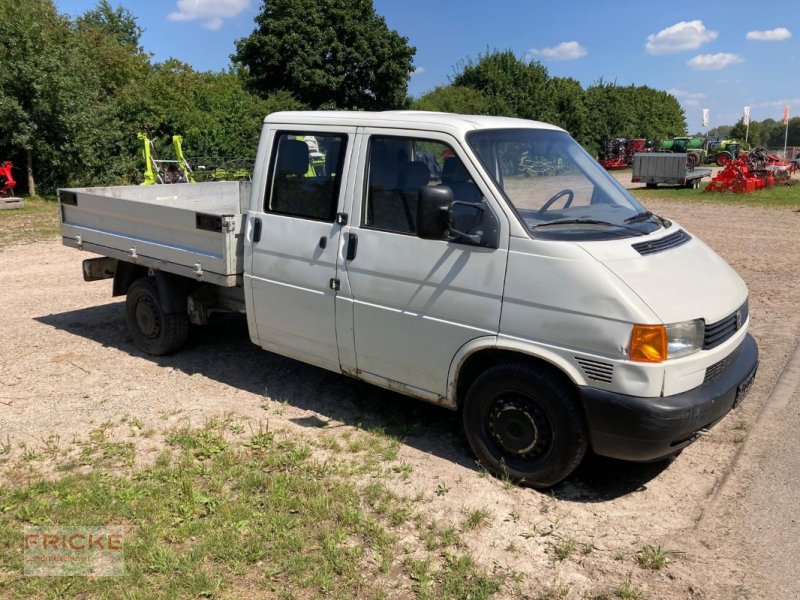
(746, 115)
(706, 114)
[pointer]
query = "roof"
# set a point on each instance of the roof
(407, 119)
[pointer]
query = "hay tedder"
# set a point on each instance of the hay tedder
(751, 172)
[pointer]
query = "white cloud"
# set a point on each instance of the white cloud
(779, 103)
(212, 12)
(564, 51)
(687, 98)
(686, 35)
(418, 71)
(714, 62)
(771, 35)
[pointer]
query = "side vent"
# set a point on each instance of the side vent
(673, 240)
(595, 370)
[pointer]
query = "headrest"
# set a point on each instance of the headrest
(292, 158)
(413, 175)
(454, 171)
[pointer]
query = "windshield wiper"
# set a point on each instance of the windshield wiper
(590, 222)
(642, 216)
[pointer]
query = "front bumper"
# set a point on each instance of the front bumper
(646, 429)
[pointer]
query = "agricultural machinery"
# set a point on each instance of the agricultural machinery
(750, 172)
(693, 147)
(7, 182)
(164, 171)
(618, 152)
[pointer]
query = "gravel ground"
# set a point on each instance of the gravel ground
(68, 365)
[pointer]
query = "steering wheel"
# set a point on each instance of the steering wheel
(551, 201)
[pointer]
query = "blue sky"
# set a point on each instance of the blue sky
(720, 55)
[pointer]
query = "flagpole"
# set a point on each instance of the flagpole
(785, 140)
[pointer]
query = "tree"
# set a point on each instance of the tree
(328, 53)
(453, 99)
(570, 107)
(511, 86)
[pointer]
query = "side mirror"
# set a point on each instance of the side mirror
(433, 212)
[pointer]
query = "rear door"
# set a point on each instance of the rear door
(295, 235)
(417, 302)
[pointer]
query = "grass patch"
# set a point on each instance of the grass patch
(654, 557)
(217, 518)
(777, 196)
(38, 220)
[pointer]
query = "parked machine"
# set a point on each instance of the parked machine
(7, 182)
(750, 172)
(693, 147)
(158, 170)
(618, 152)
(724, 151)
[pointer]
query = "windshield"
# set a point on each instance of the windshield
(559, 191)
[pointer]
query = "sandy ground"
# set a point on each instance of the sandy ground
(67, 365)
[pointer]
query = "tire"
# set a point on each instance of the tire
(525, 424)
(154, 331)
(723, 159)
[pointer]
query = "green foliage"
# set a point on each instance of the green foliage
(769, 132)
(328, 53)
(514, 87)
(511, 86)
(453, 99)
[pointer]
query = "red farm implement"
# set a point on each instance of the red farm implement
(751, 172)
(618, 152)
(7, 182)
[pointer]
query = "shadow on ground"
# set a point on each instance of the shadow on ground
(222, 351)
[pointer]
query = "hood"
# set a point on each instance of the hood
(678, 282)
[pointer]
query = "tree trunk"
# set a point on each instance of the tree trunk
(31, 182)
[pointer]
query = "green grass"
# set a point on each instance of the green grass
(654, 557)
(221, 516)
(778, 196)
(38, 220)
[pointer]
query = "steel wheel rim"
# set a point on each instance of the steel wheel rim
(148, 318)
(518, 428)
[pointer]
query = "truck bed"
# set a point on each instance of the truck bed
(191, 229)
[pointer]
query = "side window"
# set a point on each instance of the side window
(305, 175)
(399, 168)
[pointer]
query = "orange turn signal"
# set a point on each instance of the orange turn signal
(648, 343)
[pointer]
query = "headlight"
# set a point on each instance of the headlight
(685, 338)
(657, 343)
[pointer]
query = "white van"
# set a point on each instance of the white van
(485, 264)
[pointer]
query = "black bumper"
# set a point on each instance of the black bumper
(646, 429)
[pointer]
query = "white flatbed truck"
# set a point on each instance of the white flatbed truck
(553, 311)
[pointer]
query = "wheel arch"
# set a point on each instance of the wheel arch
(478, 355)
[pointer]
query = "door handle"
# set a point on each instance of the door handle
(256, 230)
(352, 246)
(323, 242)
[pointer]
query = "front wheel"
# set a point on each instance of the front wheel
(525, 424)
(153, 330)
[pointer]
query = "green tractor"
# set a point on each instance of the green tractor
(694, 147)
(723, 151)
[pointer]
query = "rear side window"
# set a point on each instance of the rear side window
(399, 168)
(305, 175)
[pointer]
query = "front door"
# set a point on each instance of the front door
(292, 279)
(417, 302)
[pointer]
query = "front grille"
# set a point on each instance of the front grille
(596, 370)
(721, 331)
(665, 243)
(717, 368)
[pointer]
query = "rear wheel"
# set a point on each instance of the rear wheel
(153, 330)
(525, 424)
(723, 159)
